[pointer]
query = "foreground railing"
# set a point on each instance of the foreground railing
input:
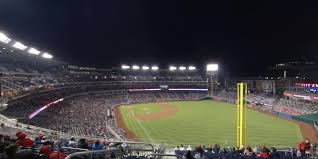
(91, 154)
(112, 153)
(159, 156)
(118, 151)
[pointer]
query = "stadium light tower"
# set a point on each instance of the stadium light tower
(172, 68)
(145, 68)
(135, 67)
(212, 75)
(19, 45)
(154, 68)
(34, 51)
(125, 67)
(182, 68)
(212, 67)
(4, 38)
(191, 68)
(47, 55)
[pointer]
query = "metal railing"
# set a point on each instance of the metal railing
(159, 156)
(133, 149)
(105, 153)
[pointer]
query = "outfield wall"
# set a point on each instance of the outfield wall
(310, 119)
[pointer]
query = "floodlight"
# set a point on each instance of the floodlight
(154, 68)
(125, 67)
(145, 67)
(19, 45)
(191, 68)
(172, 68)
(212, 67)
(135, 67)
(182, 68)
(34, 51)
(47, 55)
(4, 38)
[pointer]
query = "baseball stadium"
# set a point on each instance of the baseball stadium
(150, 112)
(190, 107)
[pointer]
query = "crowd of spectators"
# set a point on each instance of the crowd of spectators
(268, 102)
(296, 107)
(41, 147)
(87, 115)
(304, 150)
(23, 106)
(161, 96)
(262, 98)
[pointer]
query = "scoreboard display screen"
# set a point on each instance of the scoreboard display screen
(313, 90)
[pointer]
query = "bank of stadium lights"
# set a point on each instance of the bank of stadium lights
(4, 38)
(172, 68)
(47, 55)
(145, 68)
(125, 67)
(34, 51)
(19, 45)
(212, 67)
(191, 68)
(182, 68)
(154, 68)
(135, 67)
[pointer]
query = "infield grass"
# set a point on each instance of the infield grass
(207, 122)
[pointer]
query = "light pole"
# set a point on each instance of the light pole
(212, 72)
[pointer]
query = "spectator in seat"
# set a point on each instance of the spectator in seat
(275, 154)
(11, 151)
(39, 138)
(182, 148)
(189, 148)
(97, 146)
(199, 153)
(82, 144)
(248, 151)
(46, 149)
(2, 146)
(57, 155)
(216, 148)
(23, 141)
(210, 148)
(188, 155)
(72, 142)
(264, 152)
(304, 147)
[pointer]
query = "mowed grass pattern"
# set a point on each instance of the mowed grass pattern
(208, 122)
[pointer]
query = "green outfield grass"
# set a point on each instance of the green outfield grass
(207, 122)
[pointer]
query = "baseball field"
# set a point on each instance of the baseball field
(203, 122)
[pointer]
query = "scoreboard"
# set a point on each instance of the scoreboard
(313, 85)
(309, 87)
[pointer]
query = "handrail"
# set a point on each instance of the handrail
(91, 153)
(73, 148)
(161, 155)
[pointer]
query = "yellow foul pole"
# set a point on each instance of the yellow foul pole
(238, 115)
(241, 136)
(241, 114)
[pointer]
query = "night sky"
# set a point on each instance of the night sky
(108, 33)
